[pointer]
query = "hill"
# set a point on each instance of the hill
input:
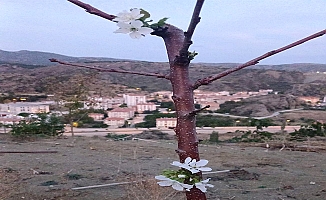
(33, 72)
(39, 59)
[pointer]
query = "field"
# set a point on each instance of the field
(67, 163)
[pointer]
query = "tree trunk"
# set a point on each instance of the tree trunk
(72, 129)
(183, 98)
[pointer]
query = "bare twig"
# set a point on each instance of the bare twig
(210, 79)
(90, 9)
(111, 70)
(183, 55)
(195, 112)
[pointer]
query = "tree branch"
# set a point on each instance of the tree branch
(195, 112)
(210, 79)
(90, 9)
(112, 70)
(183, 54)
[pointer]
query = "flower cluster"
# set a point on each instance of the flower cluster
(192, 165)
(132, 23)
(188, 171)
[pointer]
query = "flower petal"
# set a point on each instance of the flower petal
(124, 25)
(135, 13)
(176, 163)
(136, 24)
(205, 181)
(177, 186)
(201, 163)
(188, 160)
(192, 163)
(165, 183)
(162, 178)
(145, 30)
(135, 35)
(205, 169)
(193, 170)
(187, 186)
(201, 187)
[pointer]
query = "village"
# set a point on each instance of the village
(126, 110)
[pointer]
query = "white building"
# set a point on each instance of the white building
(96, 116)
(25, 107)
(10, 120)
(166, 122)
(134, 99)
(103, 103)
(125, 113)
(114, 122)
(145, 106)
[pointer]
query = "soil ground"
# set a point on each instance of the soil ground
(256, 172)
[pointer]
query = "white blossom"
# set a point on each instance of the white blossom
(128, 17)
(164, 181)
(192, 165)
(201, 185)
(134, 29)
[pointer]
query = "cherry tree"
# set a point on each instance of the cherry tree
(136, 23)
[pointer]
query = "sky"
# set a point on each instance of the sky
(230, 31)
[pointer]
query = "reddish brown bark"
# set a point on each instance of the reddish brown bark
(183, 98)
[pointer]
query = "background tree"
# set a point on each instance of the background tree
(42, 124)
(69, 96)
(177, 44)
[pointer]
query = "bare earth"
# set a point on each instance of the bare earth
(256, 173)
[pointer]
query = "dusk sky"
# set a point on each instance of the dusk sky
(230, 30)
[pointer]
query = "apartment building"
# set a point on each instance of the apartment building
(166, 122)
(114, 122)
(25, 107)
(10, 120)
(103, 103)
(134, 99)
(125, 113)
(96, 116)
(145, 106)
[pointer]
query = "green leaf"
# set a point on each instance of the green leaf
(146, 15)
(191, 55)
(161, 22)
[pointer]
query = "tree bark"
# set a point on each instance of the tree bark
(183, 98)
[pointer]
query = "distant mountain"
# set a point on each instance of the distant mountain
(38, 58)
(34, 59)
(300, 67)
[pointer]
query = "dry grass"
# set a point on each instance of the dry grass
(7, 180)
(149, 189)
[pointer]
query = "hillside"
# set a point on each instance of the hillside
(37, 58)
(30, 77)
(265, 105)
(300, 67)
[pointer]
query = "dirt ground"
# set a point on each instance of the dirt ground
(69, 163)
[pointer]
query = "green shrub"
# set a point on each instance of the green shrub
(214, 137)
(115, 136)
(43, 126)
(255, 136)
(316, 129)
